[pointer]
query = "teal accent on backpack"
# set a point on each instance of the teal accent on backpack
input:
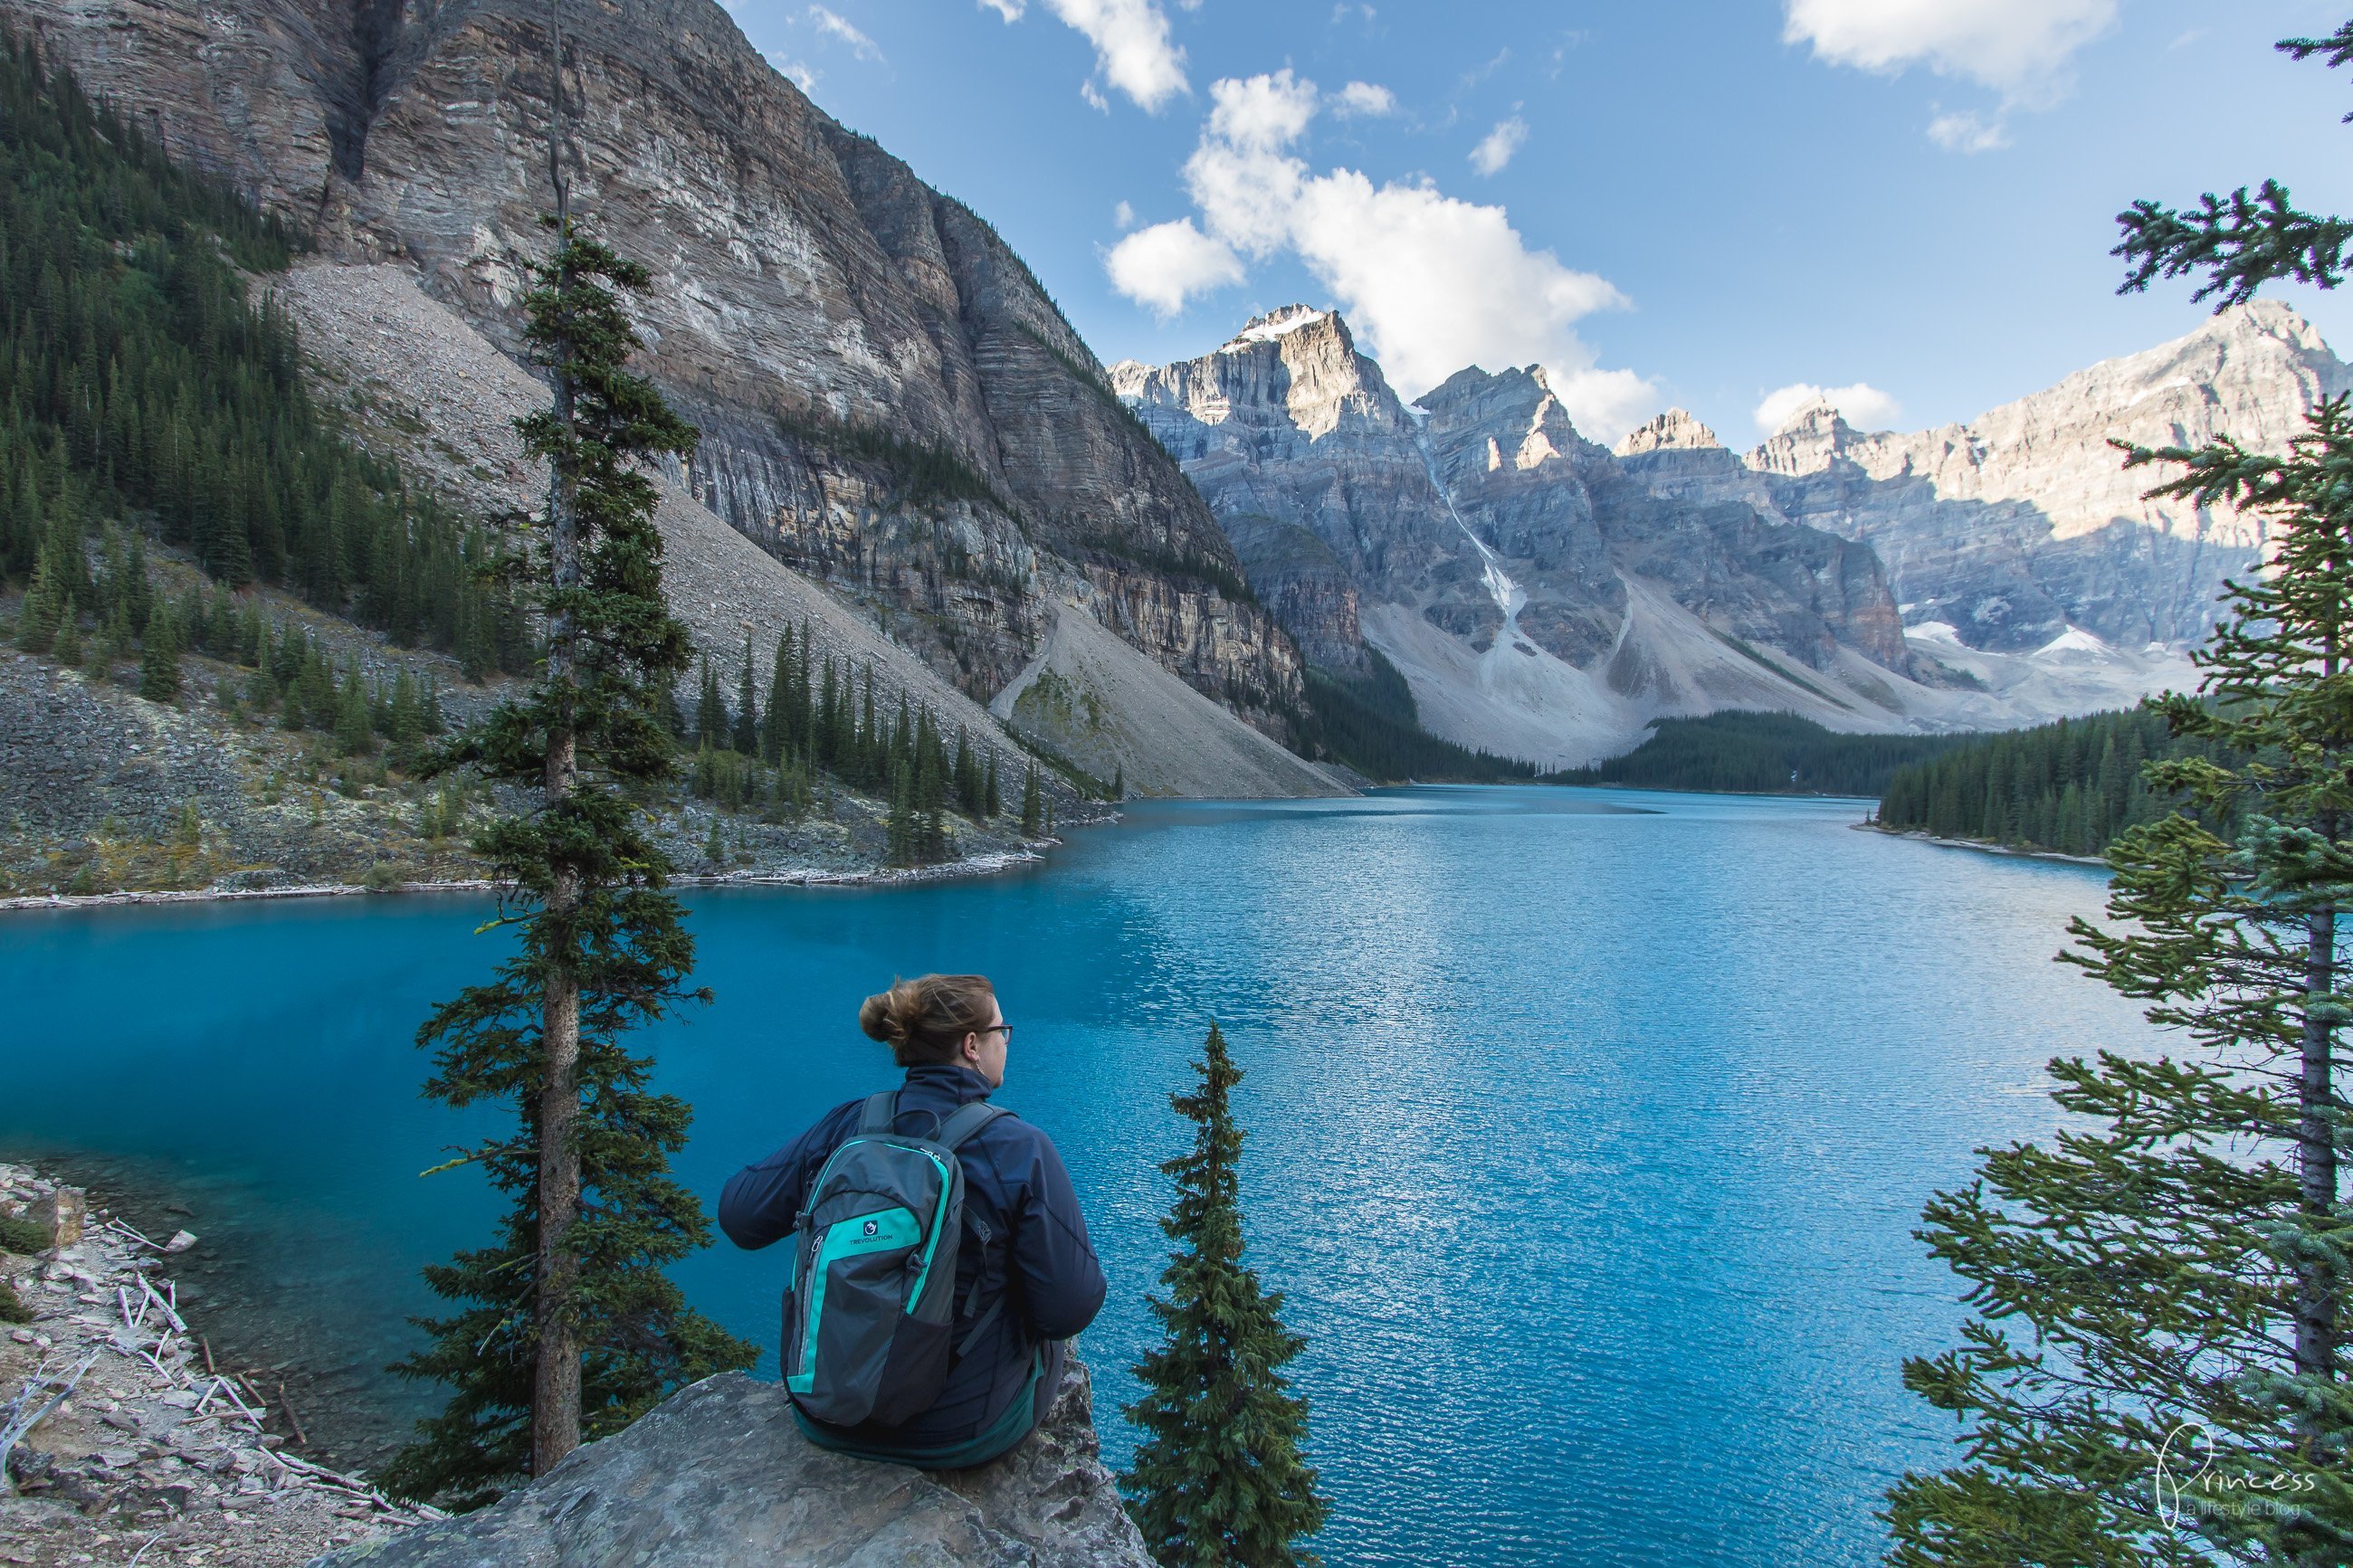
(884, 1231)
(939, 1217)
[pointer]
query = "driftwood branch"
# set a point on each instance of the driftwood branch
(155, 1298)
(22, 1420)
(286, 1409)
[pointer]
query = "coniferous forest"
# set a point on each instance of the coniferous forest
(823, 714)
(1372, 726)
(1761, 753)
(2070, 786)
(140, 380)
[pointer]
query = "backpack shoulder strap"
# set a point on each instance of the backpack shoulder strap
(968, 1120)
(881, 1111)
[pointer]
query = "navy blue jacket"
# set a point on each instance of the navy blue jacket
(1036, 1258)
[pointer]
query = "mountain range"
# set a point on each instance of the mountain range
(1548, 597)
(1133, 567)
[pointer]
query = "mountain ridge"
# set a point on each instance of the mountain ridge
(2018, 524)
(1540, 602)
(1986, 575)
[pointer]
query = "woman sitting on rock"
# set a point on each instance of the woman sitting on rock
(940, 1259)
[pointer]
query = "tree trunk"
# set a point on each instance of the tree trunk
(556, 1380)
(555, 1397)
(2315, 1137)
(2316, 1130)
(556, 1374)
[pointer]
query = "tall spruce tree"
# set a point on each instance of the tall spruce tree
(2157, 1373)
(746, 735)
(569, 1327)
(1218, 1480)
(159, 659)
(775, 724)
(965, 771)
(709, 711)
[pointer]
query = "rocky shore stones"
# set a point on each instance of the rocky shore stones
(156, 1445)
(61, 1213)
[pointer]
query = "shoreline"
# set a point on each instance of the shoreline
(985, 865)
(1680, 789)
(154, 1436)
(1982, 847)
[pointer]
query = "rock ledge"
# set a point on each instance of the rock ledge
(718, 1476)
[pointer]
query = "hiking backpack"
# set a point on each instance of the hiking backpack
(869, 1313)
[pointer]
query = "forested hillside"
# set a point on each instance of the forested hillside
(1372, 726)
(1761, 753)
(2071, 787)
(181, 518)
(140, 379)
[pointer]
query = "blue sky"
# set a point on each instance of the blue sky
(1700, 202)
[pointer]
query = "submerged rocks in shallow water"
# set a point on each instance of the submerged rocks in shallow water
(719, 1476)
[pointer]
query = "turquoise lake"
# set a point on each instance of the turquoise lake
(1587, 1130)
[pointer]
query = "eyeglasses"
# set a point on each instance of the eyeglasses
(1005, 1029)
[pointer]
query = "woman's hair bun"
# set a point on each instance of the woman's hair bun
(924, 1019)
(884, 1016)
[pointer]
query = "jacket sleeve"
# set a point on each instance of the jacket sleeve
(760, 1203)
(1062, 1284)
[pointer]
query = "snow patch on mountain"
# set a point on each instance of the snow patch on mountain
(1275, 324)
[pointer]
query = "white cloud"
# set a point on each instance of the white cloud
(1431, 282)
(1123, 216)
(838, 26)
(1261, 112)
(1863, 405)
(1133, 48)
(800, 71)
(1240, 174)
(1365, 98)
(1010, 9)
(1605, 403)
(1436, 283)
(1965, 131)
(1496, 148)
(2020, 48)
(1092, 97)
(1164, 266)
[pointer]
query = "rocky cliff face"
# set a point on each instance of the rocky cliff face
(2022, 523)
(1537, 491)
(1315, 468)
(888, 399)
(1481, 519)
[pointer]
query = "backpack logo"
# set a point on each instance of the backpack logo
(872, 1227)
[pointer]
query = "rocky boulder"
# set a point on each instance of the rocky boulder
(719, 1476)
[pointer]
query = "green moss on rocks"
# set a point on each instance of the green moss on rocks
(22, 1236)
